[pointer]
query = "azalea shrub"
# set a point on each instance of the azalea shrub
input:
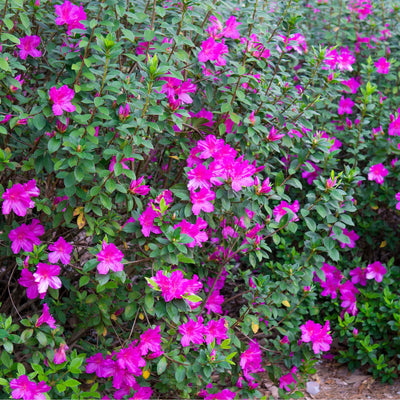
(196, 196)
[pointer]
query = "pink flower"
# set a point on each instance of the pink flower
(213, 51)
(225, 394)
(348, 296)
(214, 303)
(202, 201)
(27, 46)
(352, 235)
(122, 162)
(71, 15)
(136, 187)
(345, 106)
(25, 237)
(102, 368)
(46, 275)
(377, 173)
(194, 231)
(358, 276)
(332, 281)
(59, 355)
(216, 330)
(28, 280)
(375, 271)
(123, 112)
(23, 388)
(61, 99)
(382, 66)
(217, 31)
(131, 360)
(345, 59)
(310, 176)
(150, 341)
(250, 360)
(279, 211)
(146, 219)
(60, 250)
(288, 379)
(273, 135)
(199, 177)
(353, 84)
(110, 258)
(318, 335)
(192, 332)
(17, 199)
(398, 199)
(46, 318)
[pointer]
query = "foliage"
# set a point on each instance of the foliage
(177, 179)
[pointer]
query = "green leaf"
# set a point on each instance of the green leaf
(161, 365)
(41, 337)
(8, 347)
(180, 373)
(83, 280)
(53, 145)
(4, 64)
(184, 259)
(310, 224)
(149, 35)
(71, 382)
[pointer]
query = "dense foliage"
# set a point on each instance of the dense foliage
(195, 194)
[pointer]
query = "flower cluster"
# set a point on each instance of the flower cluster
(18, 198)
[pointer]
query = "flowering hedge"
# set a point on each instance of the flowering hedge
(195, 194)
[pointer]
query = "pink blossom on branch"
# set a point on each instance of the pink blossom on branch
(345, 106)
(318, 335)
(27, 46)
(26, 236)
(375, 271)
(23, 388)
(192, 332)
(110, 258)
(213, 51)
(60, 250)
(70, 14)
(28, 280)
(61, 99)
(46, 318)
(59, 354)
(202, 200)
(377, 173)
(47, 275)
(18, 198)
(382, 66)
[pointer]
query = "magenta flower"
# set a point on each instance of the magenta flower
(394, 126)
(194, 231)
(46, 318)
(345, 106)
(217, 30)
(146, 219)
(28, 280)
(240, 173)
(46, 275)
(25, 236)
(192, 332)
(345, 59)
(225, 394)
(61, 99)
(213, 51)
(286, 380)
(214, 303)
(377, 173)
(150, 341)
(130, 359)
(375, 271)
(59, 354)
(27, 46)
(110, 258)
(310, 176)
(358, 276)
(348, 296)
(280, 210)
(216, 330)
(397, 196)
(353, 84)
(71, 15)
(199, 177)
(318, 335)
(102, 368)
(202, 200)
(18, 198)
(352, 235)
(382, 66)
(60, 250)
(23, 388)
(136, 187)
(250, 360)
(332, 281)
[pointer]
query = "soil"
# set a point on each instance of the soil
(335, 382)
